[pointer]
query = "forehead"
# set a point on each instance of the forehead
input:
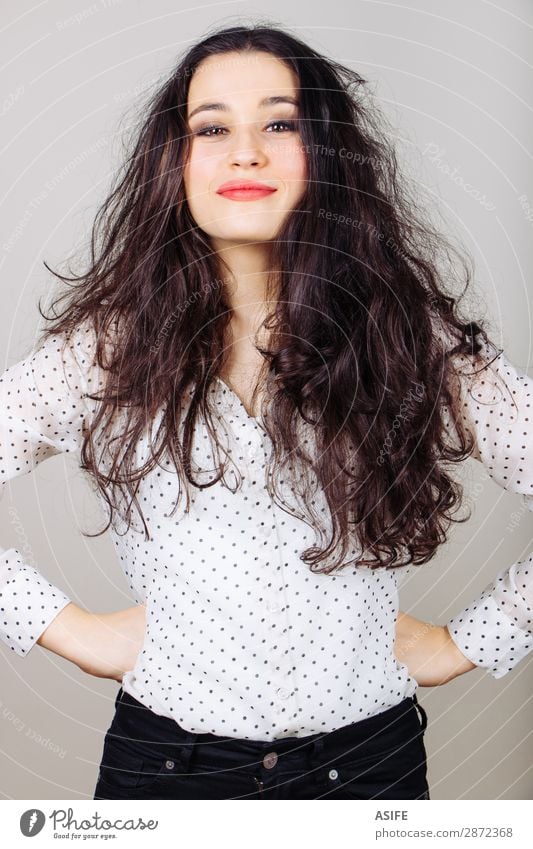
(238, 76)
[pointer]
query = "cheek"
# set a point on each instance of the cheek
(301, 167)
(198, 171)
(298, 179)
(198, 179)
(292, 163)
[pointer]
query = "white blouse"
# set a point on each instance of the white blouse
(242, 638)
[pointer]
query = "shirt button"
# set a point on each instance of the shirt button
(169, 764)
(265, 530)
(272, 606)
(333, 774)
(283, 693)
(270, 760)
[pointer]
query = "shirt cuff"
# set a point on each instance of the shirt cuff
(487, 637)
(28, 603)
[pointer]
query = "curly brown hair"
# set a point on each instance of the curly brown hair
(362, 335)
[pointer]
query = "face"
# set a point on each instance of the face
(243, 139)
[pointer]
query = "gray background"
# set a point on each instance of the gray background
(456, 76)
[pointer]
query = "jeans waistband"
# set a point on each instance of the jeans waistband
(137, 721)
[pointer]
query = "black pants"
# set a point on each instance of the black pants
(146, 756)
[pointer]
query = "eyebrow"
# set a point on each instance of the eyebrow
(267, 101)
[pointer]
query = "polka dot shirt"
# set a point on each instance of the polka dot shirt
(242, 639)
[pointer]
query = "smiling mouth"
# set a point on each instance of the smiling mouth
(246, 194)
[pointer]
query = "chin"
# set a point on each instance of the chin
(246, 235)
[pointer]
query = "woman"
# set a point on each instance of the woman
(265, 330)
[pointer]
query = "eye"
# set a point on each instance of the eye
(207, 132)
(291, 125)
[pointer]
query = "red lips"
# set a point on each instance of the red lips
(244, 185)
(245, 190)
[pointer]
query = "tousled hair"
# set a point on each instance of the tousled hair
(362, 335)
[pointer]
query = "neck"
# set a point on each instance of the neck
(247, 271)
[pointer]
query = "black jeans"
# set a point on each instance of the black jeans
(147, 756)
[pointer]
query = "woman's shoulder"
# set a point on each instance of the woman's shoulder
(466, 364)
(62, 365)
(79, 344)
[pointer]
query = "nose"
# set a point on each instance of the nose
(246, 148)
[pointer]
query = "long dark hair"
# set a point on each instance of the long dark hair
(362, 336)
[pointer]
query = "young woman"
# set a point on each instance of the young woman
(267, 381)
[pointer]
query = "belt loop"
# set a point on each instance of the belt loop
(317, 749)
(185, 749)
(316, 762)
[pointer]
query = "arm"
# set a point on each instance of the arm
(43, 411)
(102, 644)
(428, 651)
(495, 631)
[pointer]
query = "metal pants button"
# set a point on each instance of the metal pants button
(270, 760)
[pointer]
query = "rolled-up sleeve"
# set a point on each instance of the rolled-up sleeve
(42, 413)
(495, 402)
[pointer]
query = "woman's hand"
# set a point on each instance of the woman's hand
(428, 651)
(112, 642)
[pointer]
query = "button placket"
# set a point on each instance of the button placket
(278, 658)
(274, 607)
(247, 436)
